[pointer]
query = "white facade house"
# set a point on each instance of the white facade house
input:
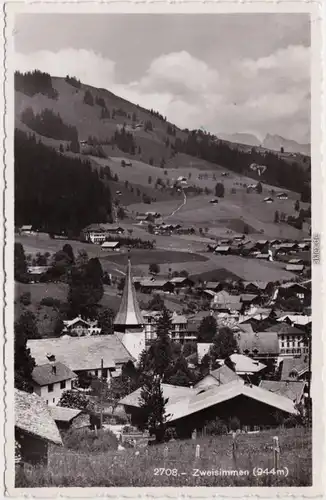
(79, 327)
(51, 380)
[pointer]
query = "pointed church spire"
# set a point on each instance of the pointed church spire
(129, 314)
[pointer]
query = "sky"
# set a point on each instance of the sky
(223, 72)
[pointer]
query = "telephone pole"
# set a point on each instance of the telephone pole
(101, 396)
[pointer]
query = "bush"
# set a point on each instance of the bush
(85, 440)
(290, 422)
(234, 424)
(216, 428)
(50, 302)
(25, 298)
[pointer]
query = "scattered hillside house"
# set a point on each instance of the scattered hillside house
(69, 418)
(150, 285)
(111, 245)
(296, 368)
(253, 406)
(222, 249)
(214, 201)
(286, 248)
(112, 229)
(295, 319)
(249, 298)
(268, 200)
(35, 428)
(297, 290)
(225, 302)
(295, 261)
(141, 218)
(35, 272)
(79, 327)
(295, 268)
(51, 380)
(26, 229)
(243, 365)
(258, 345)
(83, 354)
(214, 286)
(263, 256)
(282, 196)
(258, 287)
(292, 389)
(304, 246)
(94, 233)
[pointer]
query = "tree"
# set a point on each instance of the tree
(82, 258)
(297, 206)
(121, 214)
(88, 98)
(224, 344)
(153, 404)
(207, 329)
(85, 288)
(105, 320)
(121, 284)
(219, 190)
(259, 188)
(26, 325)
(24, 363)
(156, 303)
(74, 399)
(154, 268)
(276, 217)
(179, 373)
(20, 264)
(67, 248)
(149, 179)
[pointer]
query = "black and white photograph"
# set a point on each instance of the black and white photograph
(163, 250)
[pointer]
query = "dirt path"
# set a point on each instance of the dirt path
(179, 207)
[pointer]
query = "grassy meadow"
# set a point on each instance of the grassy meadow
(144, 466)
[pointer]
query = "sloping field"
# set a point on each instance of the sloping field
(141, 257)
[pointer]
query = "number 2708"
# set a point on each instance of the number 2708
(162, 471)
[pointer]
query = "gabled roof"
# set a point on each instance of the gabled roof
(219, 394)
(129, 313)
(263, 342)
(27, 227)
(222, 248)
(45, 374)
(262, 285)
(179, 279)
(284, 329)
(247, 297)
(291, 389)
(63, 414)
(81, 353)
(32, 415)
(297, 319)
(110, 244)
(244, 364)
(294, 267)
(296, 366)
(71, 322)
(171, 392)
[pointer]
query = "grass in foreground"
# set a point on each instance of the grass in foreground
(144, 467)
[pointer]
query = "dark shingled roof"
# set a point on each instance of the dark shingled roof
(292, 368)
(44, 374)
(290, 389)
(32, 415)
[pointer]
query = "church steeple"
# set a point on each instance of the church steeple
(129, 314)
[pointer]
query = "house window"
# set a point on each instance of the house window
(95, 373)
(63, 384)
(105, 372)
(50, 388)
(53, 400)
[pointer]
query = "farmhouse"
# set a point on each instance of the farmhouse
(149, 285)
(222, 249)
(26, 229)
(224, 301)
(282, 196)
(51, 380)
(79, 327)
(214, 201)
(294, 290)
(112, 229)
(181, 282)
(214, 286)
(268, 200)
(35, 272)
(111, 245)
(295, 319)
(69, 418)
(83, 354)
(35, 428)
(258, 286)
(94, 233)
(243, 365)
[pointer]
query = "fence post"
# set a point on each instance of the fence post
(276, 452)
(197, 453)
(165, 452)
(234, 449)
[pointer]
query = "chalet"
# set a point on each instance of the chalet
(263, 256)
(79, 327)
(35, 272)
(304, 246)
(83, 354)
(214, 286)
(292, 389)
(141, 218)
(296, 368)
(253, 406)
(258, 287)
(148, 285)
(220, 376)
(282, 196)
(111, 245)
(287, 290)
(112, 229)
(268, 200)
(222, 250)
(295, 319)
(286, 248)
(181, 282)
(294, 268)
(69, 418)
(27, 229)
(258, 345)
(35, 429)
(224, 301)
(51, 380)
(249, 298)
(214, 201)
(295, 261)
